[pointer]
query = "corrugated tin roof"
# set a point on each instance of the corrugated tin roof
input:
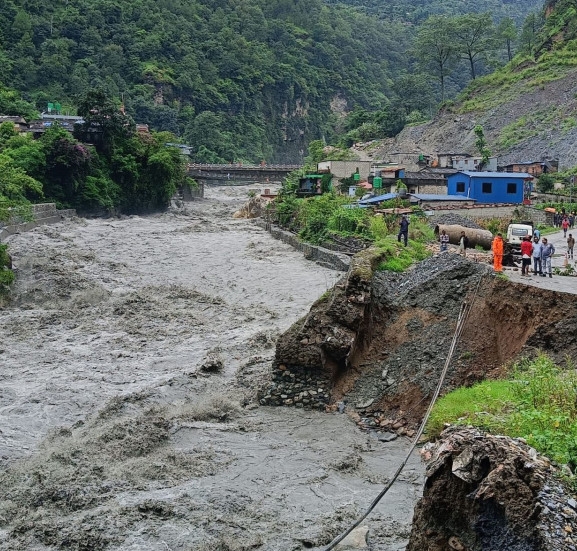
(509, 175)
(434, 197)
(379, 198)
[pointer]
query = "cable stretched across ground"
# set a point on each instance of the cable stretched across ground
(463, 314)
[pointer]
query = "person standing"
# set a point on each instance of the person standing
(570, 245)
(537, 234)
(565, 225)
(526, 252)
(444, 240)
(537, 264)
(403, 229)
(463, 243)
(546, 255)
(497, 248)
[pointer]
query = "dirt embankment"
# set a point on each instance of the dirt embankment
(376, 346)
(378, 342)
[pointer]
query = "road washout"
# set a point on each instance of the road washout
(131, 359)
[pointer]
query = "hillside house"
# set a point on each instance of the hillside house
(20, 124)
(535, 168)
(463, 162)
(419, 182)
(491, 187)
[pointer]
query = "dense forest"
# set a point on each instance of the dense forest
(417, 11)
(240, 79)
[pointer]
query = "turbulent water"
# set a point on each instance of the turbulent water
(129, 364)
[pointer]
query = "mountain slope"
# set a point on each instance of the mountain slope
(528, 109)
(238, 79)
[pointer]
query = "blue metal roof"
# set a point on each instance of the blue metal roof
(509, 175)
(433, 197)
(379, 198)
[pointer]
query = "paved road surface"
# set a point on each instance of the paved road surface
(565, 284)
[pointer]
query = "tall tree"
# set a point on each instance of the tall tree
(434, 49)
(507, 34)
(474, 36)
(530, 32)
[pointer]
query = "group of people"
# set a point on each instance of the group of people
(463, 242)
(539, 251)
(564, 221)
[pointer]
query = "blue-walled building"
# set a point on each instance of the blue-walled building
(491, 187)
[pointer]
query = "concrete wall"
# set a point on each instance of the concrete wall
(505, 211)
(190, 193)
(322, 256)
(44, 213)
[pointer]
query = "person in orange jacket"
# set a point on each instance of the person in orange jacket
(497, 247)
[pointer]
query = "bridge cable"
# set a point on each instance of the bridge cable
(463, 314)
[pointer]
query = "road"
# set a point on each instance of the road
(565, 284)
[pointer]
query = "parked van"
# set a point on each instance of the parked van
(517, 232)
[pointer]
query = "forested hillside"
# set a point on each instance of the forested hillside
(527, 108)
(236, 79)
(416, 11)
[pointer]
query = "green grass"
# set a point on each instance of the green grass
(536, 402)
(516, 78)
(398, 257)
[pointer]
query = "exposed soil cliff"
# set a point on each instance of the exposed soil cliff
(379, 341)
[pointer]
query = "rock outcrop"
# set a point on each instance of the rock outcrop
(491, 493)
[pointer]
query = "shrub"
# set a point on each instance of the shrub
(6, 274)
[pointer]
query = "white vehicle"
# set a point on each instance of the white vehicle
(517, 232)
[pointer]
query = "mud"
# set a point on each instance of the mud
(130, 362)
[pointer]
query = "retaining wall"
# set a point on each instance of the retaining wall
(320, 255)
(43, 213)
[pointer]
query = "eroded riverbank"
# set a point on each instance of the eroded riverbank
(102, 350)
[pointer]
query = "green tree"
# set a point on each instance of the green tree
(506, 33)
(434, 48)
(104, 123)
(17, 189)
(529, 38)
(481, 145)
(474, 37)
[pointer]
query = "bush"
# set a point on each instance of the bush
(6, 274)
(349, 221)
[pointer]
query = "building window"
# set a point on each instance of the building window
(512, 188)
(460, 187)
(487, 187)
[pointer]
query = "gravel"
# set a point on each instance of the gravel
(454, 219)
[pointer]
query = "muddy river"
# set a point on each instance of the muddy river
(129, 364)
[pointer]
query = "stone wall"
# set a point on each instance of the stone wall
(44, 213)
(189, 193)
(505, 212)
(301, 388)
(320, 255)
